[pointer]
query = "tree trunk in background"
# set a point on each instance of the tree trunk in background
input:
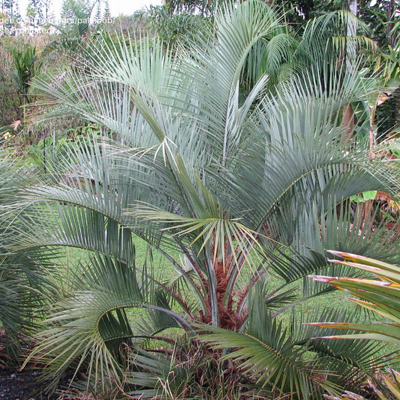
(396, 95)
(364, 211)
(390, 14)
(352, 32)
(353, 6)
(348, 122)
(392, 38)
(351, 54)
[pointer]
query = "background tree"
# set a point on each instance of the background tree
(177, 22)
(35, 13)
(380, 17)
(102, 10)
(107, 10)
(77, 15)
(9, 99)
(48, 12)
(11, 16)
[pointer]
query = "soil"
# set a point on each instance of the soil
(22, 385)
(16, 385)
(25, 385)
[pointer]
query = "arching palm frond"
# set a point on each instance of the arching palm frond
(270, 353)
(93, 335)
(288, 360)
(292, 125)
(24, 285)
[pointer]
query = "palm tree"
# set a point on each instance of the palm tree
(231, 185)
(23, 282)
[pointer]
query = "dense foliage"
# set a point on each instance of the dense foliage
(164, 253)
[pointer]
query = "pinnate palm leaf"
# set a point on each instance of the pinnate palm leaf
(380, 296)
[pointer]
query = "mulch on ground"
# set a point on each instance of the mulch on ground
(22, 385)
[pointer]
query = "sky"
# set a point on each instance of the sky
(128, 7)
(117, 7)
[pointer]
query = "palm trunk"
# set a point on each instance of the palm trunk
(348, 122)
(396, 95)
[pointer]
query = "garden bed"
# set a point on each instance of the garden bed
(23, 385)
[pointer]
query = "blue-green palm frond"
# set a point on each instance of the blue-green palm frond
(91, 325)
(269, 352)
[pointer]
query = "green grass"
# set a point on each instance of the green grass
(164, 271)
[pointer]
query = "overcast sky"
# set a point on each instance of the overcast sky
(117, 7)
(128, 7)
